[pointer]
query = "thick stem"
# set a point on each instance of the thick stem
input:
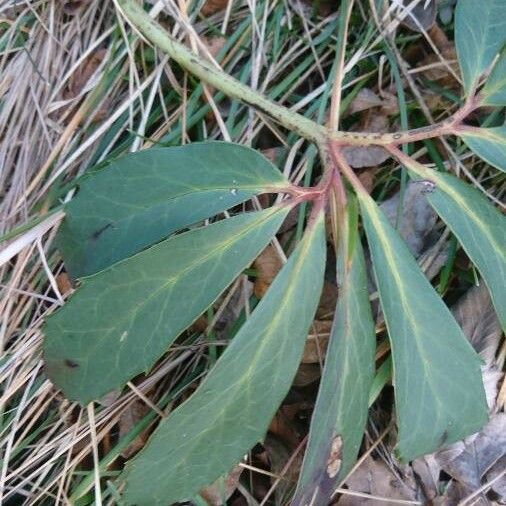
(450, 126)
(215, 76)
(293, 121)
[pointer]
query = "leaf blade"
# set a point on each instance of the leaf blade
(478, 38)
(436, 373)
(137, 307)
(494, 91)
(210, 438)
(488, 143)
(340, 413)
(143, 197)
(479, 227)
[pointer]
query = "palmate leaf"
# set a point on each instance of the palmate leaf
(122, 319)
(340, 414)
(439, 393)
(232, 408)
(480, 33)
(488, 143)
(480, 228)
(494, 91)
(144, 197)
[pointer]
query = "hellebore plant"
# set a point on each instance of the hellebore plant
(143, 284)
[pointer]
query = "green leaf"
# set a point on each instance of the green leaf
(340, 414)
(494, 91)
(144, 197)
(480, 228)
(439, 393)
(232, 408)
(480, 33)
(488, 143)
(121, 320)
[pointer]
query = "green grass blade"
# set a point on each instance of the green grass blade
(439, 393)
(340, 414)
(231, 410)
(480, 33)
(142, 198)
(489, 144)
(121, 320)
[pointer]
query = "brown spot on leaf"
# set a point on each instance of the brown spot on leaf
(335, 459)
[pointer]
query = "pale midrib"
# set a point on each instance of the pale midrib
(402, 295)
(269, 331)
(204, 191)
(132, 314)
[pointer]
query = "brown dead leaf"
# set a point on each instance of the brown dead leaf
(368, 156)
(417, 218)
(375, 478)
(279, 456)
(468, 461)
(211, 7)
(306, 374)
(366, 177)
(475, 314)
(284, 425)
(267, 265)
(328, 301)
(72, 7)
(365, 99)
(64, 284)
(218, 493)
(214, 44)
(83, 73)
(422, 16)
(317, 342)
(436, 71)
(130, 417)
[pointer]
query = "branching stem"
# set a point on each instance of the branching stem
(293, 121)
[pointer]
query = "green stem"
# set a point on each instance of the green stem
(293, 121)
(215, 76)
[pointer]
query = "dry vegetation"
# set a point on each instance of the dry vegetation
(77, 88)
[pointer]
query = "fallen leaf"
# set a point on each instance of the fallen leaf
(211, 7)
(283, 425)
(220, 491)
(328, 301)
(368, 156)
(73, 6)
(279, 456)
(475, 314)
(64, 284)
(499, 486)
(306, 374)
(366, 177)
(417, 216)
(421, 17)
(267, 265)
(214, 44)
(317, 341)
(80, 77)
(365, 99)
(375, 478)
(468, 462)
(128, 419)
